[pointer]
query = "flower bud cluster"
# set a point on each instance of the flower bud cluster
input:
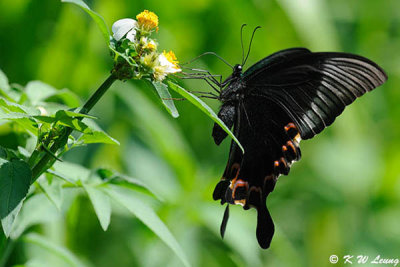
(135, 52)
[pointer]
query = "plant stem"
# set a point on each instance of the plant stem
(48, 160)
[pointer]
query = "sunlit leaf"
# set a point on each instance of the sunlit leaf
(165, 96)
(36, 210)
(4, 86)
(72, 114)
(37, 91)
(56, 250)
(61, 176)
(9, 106)
(53, 191)
(101, 204)
(70, 171)
(95, 16)
(67, 97)
(147, 216)
(204, 108)
(13, 115)
(7, 222)
(97, 137)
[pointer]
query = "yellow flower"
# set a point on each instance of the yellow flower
(149, 60)
(171, 57)
(151, 45)
(148, 43)
(166, 64)
(147, 20)
(159, 73)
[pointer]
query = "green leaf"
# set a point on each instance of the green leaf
(36, 210)
(64, 116)
(97, 137)
(53, 190)
(95, 16)
(101, 204)
(15, 178)
(38, 91)
(70, 172)
(136, 182)
(6, 89)
(9, 106)
(67, 97)
(72, 114)
(56, 250)
(165, 96)
(4, 86)
(73, 123)
(13, 115)
(147, 215)
(8, 222)
(61, 176)
(203, 107)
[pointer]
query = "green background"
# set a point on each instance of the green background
(341, 198)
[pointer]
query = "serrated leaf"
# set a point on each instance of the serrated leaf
(97, 137)
(70, 171)
(101, 204)
(56, 250)
(204, 108)
(36, 210)
(53, 190)
(15, 179)
(136, 182)
(38, 91)
(61, 176)
(95, 16)
(68, 97)
(13, 115)
(72, 114)
(74, 123)
(165, 96)
(147, 215)
(8, 221)
(4, 86)
(64, 116)
(9, 106)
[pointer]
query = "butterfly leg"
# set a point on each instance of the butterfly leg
(209, 75)
(207, 79)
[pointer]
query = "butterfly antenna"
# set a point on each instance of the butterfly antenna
(208, 53)
(241, 40)
(251, 40)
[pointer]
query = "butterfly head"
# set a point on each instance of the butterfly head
(237, 71)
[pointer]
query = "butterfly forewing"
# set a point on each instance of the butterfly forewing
(313, 88)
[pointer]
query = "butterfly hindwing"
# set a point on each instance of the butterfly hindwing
(262, 128)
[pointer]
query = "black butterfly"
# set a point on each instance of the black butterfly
(286, 97)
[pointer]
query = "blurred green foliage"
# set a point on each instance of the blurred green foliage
(341, 198)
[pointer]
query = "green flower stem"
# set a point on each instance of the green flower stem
(48, 160)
